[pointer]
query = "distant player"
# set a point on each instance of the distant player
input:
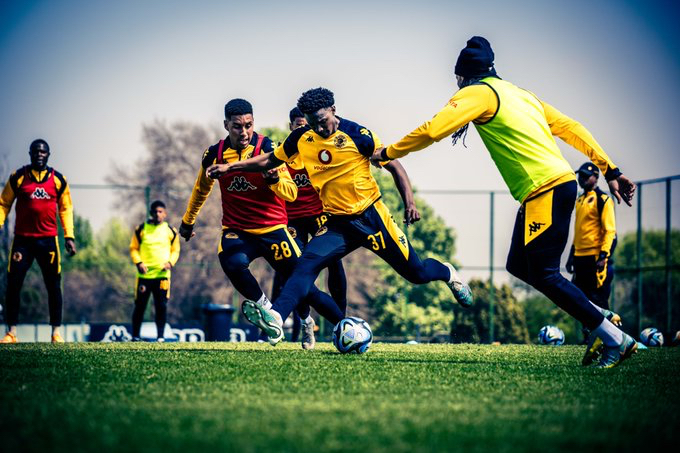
(42, 194)
(154, 250)
(517, 129)
(335, 152)
(253, 210)
(590, 257)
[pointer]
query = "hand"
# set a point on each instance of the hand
(411, 214)
(271, 176)
(186, 231)
(377, 157)
(623, 189)
(141, 267)
(216, 170)
(70, 246)
(167, 266)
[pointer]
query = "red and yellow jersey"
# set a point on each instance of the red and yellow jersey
(40, 195)
(595, 226)
(337, 166)
(249, 203)
(307, 202)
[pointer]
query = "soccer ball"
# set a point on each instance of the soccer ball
(651, 337)
(552, 335)
(352, 335)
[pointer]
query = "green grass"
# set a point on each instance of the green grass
(252, 397)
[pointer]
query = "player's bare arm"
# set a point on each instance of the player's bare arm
(401, 180)
(260, 163)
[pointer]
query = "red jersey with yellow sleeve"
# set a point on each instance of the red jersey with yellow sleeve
(41, 196)
(249, 202)
(338, 166)
(307, 202)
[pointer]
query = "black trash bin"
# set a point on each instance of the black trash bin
(217, 321)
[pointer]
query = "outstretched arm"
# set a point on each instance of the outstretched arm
(401, 180)
(262, 162)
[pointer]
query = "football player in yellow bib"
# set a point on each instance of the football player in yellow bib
(335, 152)
(517, 129)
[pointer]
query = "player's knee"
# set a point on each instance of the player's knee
(545, 278)
(234, 263)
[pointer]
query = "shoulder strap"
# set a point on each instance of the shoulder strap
(258, 145)
(219, 152)
(138, 233)
(601, 200)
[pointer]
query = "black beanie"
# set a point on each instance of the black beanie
(476, 59)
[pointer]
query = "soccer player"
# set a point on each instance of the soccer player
(590, 257)
(517, 128)
(154, 250)
(42, 194)
(306, 215)
(253, 210)
(335, 152)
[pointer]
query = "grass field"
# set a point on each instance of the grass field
(252, 397)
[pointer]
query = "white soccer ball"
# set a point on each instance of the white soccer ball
(551, 335)
(651, 337)
(352, 335)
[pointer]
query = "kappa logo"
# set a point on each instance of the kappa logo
(340, 141)
(402, 239)
(325, 156)
(141, 288)
(40, 194)
(302, 180)
(534, 227)
(240, 184)
(293, 232)
(321, 231)
(17, 256)
(310, 139)
(364, 131)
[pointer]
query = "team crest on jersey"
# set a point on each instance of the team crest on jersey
(240, 184)
(321, 231)
(141, 288)
(340, 141)
(301, 180)
(17, 256)
(230, 235)
(293, 232)
(325, 156)
(40, 194)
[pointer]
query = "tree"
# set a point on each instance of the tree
(654, 309)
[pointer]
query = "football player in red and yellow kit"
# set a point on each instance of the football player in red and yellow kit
(42, 194)
(517, 129)
(253, 210)
(335, 152)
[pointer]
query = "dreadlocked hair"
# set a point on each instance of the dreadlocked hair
(462, 132)
(237, 107)
(315, 99)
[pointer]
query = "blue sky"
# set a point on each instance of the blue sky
(86, 75)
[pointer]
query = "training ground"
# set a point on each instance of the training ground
(141, 397)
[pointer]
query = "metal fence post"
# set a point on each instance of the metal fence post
(492, 292)
(639, 255)
(668, 255)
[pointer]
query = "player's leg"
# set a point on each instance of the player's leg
(161, 293)
(337, 284)
(142, 294)
(544, 234)
(299, 285)
(381, 234)
(48, 258)
(585, 278)
(20, 260)
(237, 250)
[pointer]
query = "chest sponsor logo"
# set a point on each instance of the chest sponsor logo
(301, 180)
(40, 194)
(340, 141)
(240, 184)
(325, 156)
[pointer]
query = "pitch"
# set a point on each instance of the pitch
(252, 397)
